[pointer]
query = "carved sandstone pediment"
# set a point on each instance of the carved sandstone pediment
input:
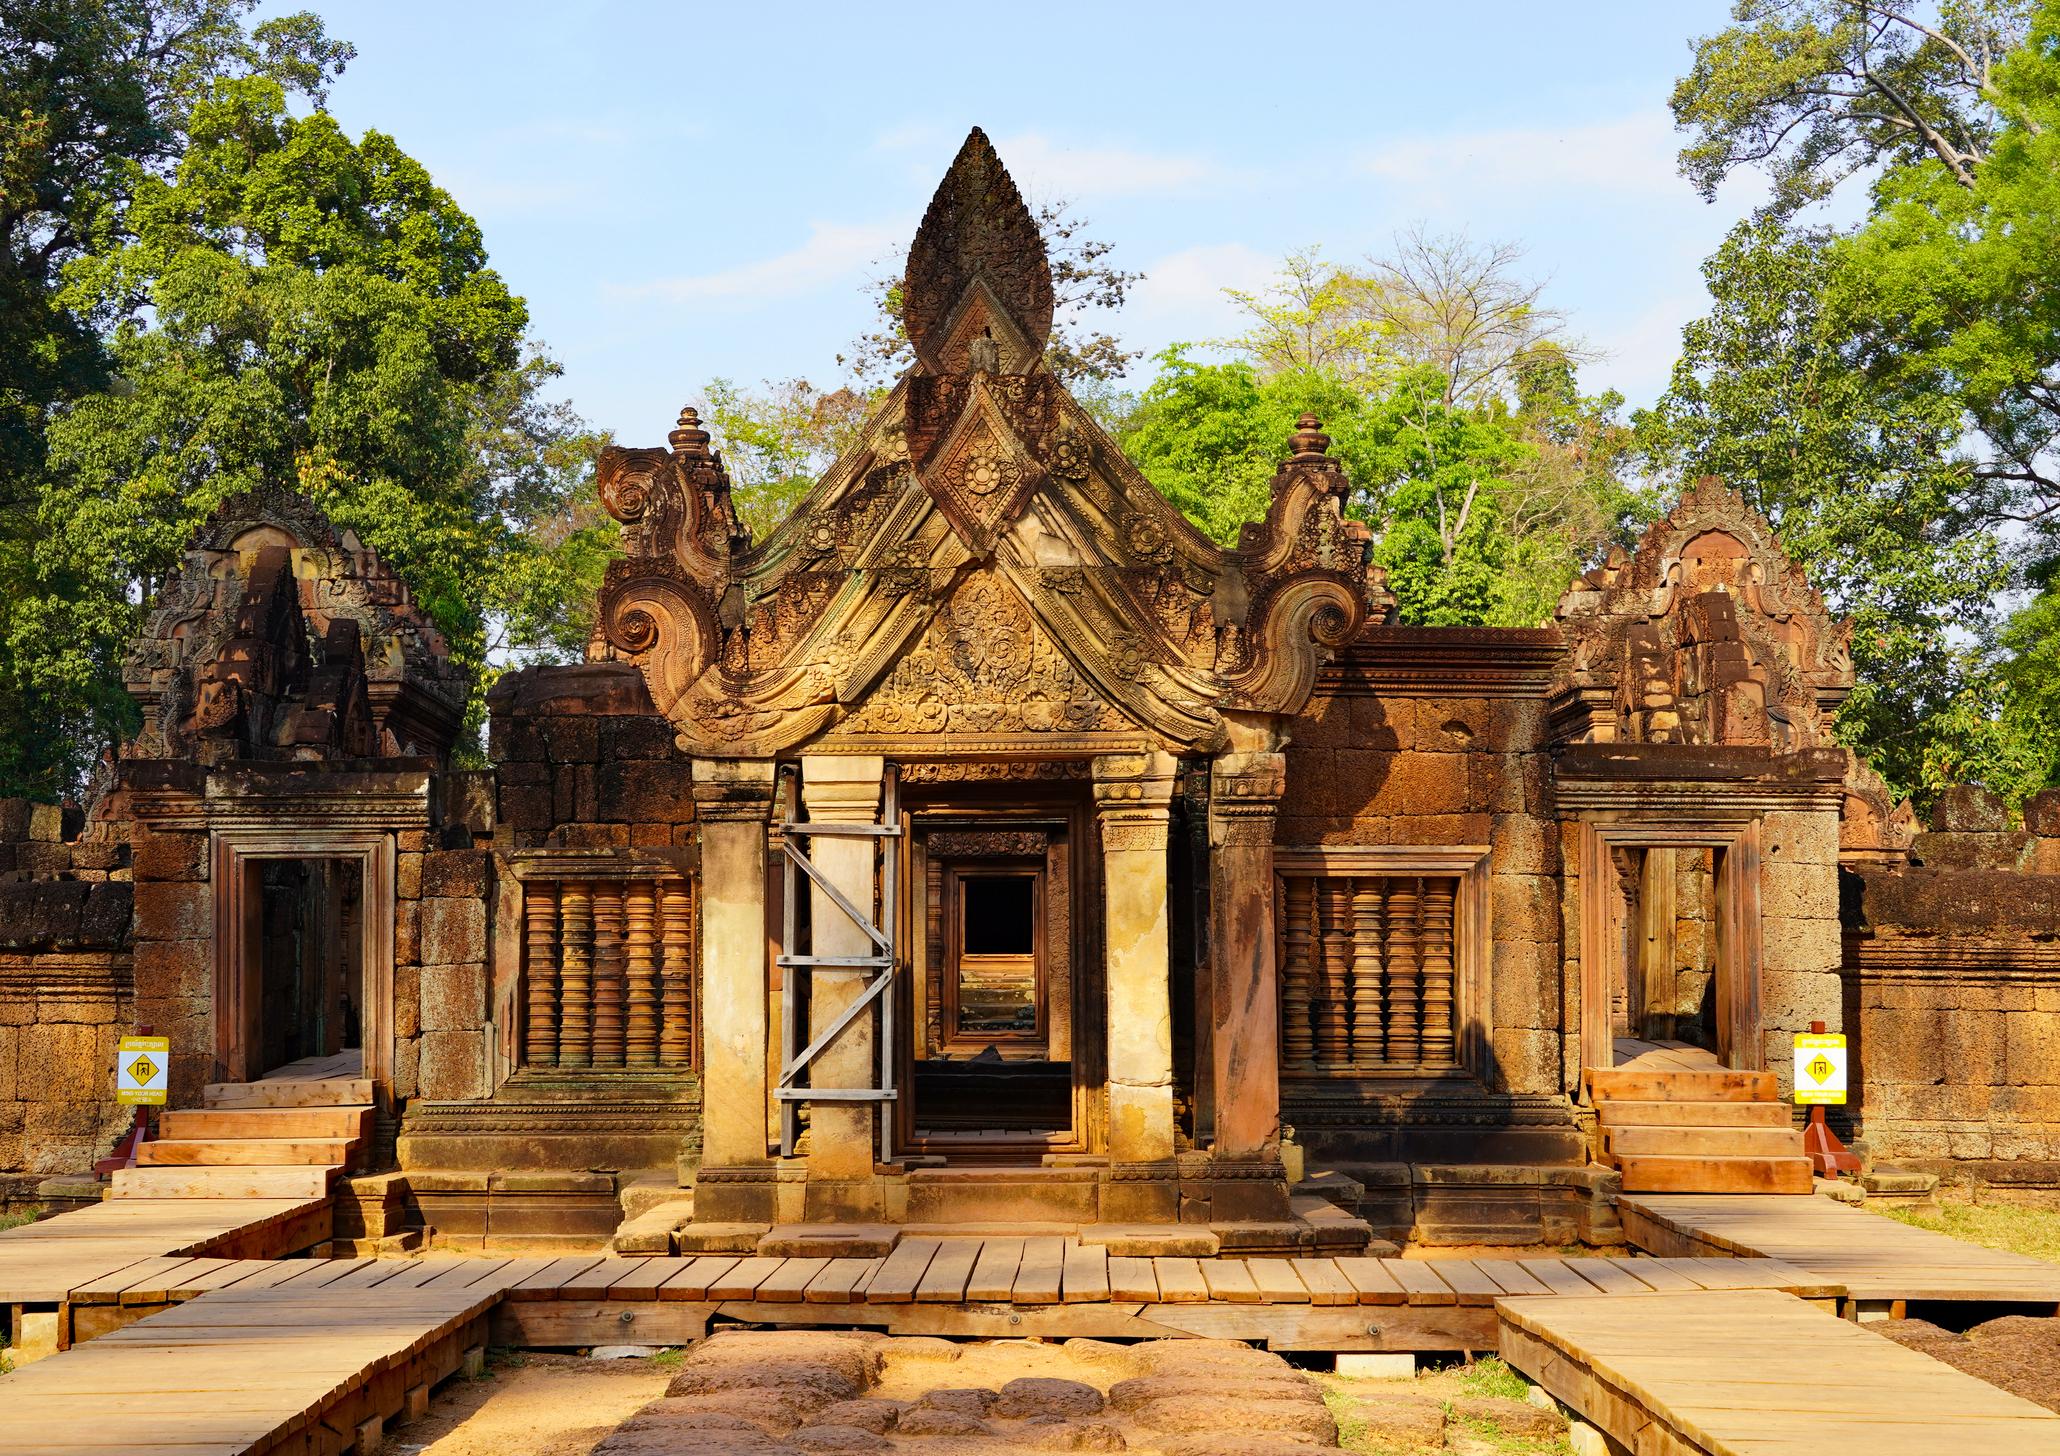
(985, 562)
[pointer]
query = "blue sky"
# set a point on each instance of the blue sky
(690, 191)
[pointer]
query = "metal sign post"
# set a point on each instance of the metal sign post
(1820, 1066)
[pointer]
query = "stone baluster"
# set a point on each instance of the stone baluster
(1367, 1050)
(1437, 971)
(640, 1040)
(1405, 1041)
(576, 1004)
(1298, 1046)
(540, 1043)
(608, 974)
(676, 1004)
(1333, 1011)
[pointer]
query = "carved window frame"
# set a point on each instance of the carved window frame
(1737, 967)
(957, 870)
(235, 855)
(1473, 943)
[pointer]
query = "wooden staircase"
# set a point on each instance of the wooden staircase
(286, 1135)
(1675, 1120)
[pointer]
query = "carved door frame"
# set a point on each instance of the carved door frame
(237, 993)
(1737, 967)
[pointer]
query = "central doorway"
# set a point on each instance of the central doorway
(994, 1061)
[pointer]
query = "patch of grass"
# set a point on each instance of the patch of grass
(1352, 1432)
(16, 1220)
(669, 1359)
(502, 1357)
(1490, 1377)
(2033, 1231)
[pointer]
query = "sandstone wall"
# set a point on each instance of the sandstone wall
(66, 999)
(1951, 985)
(1366, 770)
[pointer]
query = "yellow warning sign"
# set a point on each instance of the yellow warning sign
(139, 1070)
(1820, 1070)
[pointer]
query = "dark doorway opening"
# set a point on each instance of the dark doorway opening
(309, 949)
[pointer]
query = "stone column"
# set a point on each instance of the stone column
(1133, 797)
(1245, 791)
(842, 1136)
(732, 799)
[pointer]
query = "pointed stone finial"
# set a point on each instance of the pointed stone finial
(688, 438)
(1309, 443)
(977, 229)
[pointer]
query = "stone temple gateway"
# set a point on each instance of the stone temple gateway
(988, 847)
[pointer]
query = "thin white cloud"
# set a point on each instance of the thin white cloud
(1632, 155)
(1054, 170)
(1182, 295)
(833, 253)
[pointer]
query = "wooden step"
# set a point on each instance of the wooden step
(220, 1152)
(1632, 1084)
(1647, 1174)
(1694, 1114)
(1705, 1142)
(268, 1122)
(251, 1182)
(340, 1092)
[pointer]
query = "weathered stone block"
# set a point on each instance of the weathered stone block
(455, 874)
(1798, 945)
(515, 740)
(1521, 845)
(453, 1065)
(1418, 783)
(2010, 853)
(592, 836)
(1799, 891)
(1797, 838)
(453, 997)
(526, 806)
(407, 1001)
(1324, 723)
(2042, 814)
(573, 740)
(407, 1060)
(636, 737)
(1969, 809)
(1525, 1060)
(1525, 907)
(1495, 782)
(1385, 724)
(1312, 787)
(168, 856)
(2032, 1048)
(407, 932)
(173, 911)
(174, 968)
(1453, 725)
(407, 878)
(14, 819)
(43, 861)
(453, 932)
(643, 792)
(1526, 981)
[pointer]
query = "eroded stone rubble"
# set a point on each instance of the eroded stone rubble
(785, 1393)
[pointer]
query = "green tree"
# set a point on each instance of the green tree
(290, 308)
(777, 444)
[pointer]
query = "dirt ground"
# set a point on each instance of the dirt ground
(533, 1405)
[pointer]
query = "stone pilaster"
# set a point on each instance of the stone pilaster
(1133, 796)
(843, 1137)
(732, 801)
(1244, 794)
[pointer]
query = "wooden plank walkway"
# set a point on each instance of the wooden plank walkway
(1875, 1258)
(40, 1263)
(299, 1366)
(1754, 1373)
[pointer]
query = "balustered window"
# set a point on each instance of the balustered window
(608, 973)
(1383, 957)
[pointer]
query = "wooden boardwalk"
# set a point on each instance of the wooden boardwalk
(41, 1263)
(968, 1286)
(1876, 1259)
(1753, 1373)
(264, 1366)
